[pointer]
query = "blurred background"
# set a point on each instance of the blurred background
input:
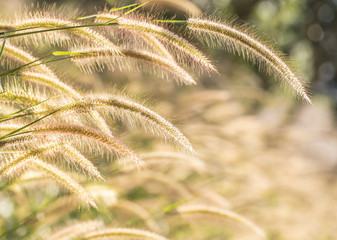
(272, 157)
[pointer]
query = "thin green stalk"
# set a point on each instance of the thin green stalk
(60, 28)
(3, 46)
(23, 66)
(14, 133)
(50, 61)
(169, 21)
(128, 12)
(22, 110)
(17, 30)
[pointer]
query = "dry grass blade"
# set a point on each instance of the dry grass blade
(169, 183)
(238, 40)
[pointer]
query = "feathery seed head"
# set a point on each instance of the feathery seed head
(231, 37)
(98, 136)
(66, 181)
(149, 115)
(85, 33)
(81, 161)
(53, 82)
(15, 166)
(172, 40)
(96, 58)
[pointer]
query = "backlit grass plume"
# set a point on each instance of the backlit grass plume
(66, 181)
(110, 142)
(95, 59)
(48, 78)
(245, 43)
(171, 39)
(35, 23)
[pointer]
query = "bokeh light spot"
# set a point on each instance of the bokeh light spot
(326, 13)
(315, 32)
(326, 71)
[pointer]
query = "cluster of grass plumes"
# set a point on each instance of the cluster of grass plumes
(185, 202)
(52, 128)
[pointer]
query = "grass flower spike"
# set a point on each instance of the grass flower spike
(232, 38)
(95, 59)
(173, 40)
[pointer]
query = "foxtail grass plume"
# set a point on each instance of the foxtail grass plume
(30, 160)
(125, 109)
(42, 22)
(19, 55)
(14, 167)
(139, 211)
(64, 180)
(236, 39)
(80, 161)
(173, 41)
(109, 141)
(49, 78)
(157, 46)
(90, 59)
